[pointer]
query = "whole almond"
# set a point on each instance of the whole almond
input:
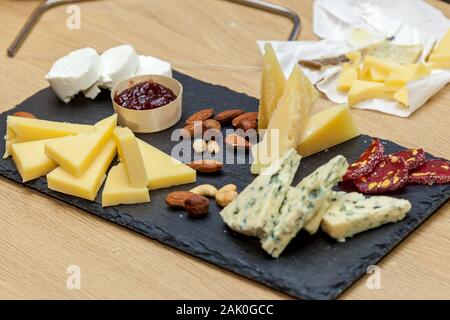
(225, 117)
(247, 124)
(206, 165)
(212, 124)
(197, 206)
(193, 128)
(24, 114)
(176, 199)
(201, 115)
(236, 141)
(245, 116)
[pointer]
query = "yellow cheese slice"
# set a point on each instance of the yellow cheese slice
(31, 160)
(440, 60)
(162, 170)
(377, 76)
(444, 44)
(402, 96)
(364, 90)
(75, 153)
(19, 129)
(396, 80)
(346, 79)
(118, 190)
(288, 122)
(87, 185)
(130, 155)
(272, 86)
(326, 129)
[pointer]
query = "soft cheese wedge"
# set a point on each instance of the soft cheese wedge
(87, 185)
(272, 86)
(326, 129)
(19, 129)
(162, 170)
(256, 209)
(31, 160)
(118, 190)
(130, 155)
(75, 153)
(352, 213)
(303, 206)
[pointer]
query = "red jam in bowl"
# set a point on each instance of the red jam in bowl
(145, 96)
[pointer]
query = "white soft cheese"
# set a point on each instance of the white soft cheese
(76, 72)
(154, 66)
(119, 63)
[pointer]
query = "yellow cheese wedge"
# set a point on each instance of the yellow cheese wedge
(118, 190)
(444, 44)
(31, 160)
(19, 129)
(162, 170)
(288, 122)
(440, 60)
(130, 155)
(87, 185)
(272, 86)
(402, 96)
(75, 153)
(327, 129)
(364, 90)
(381, 66)
(346, 79)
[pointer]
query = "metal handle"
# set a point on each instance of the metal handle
(48, 4)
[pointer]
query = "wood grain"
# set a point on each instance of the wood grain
(214, 41)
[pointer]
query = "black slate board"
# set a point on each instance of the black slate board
(312, 267)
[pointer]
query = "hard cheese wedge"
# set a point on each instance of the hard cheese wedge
(303, 205)
(256, 209)
(352, 213)
(444, 44)
(162, 170)
(31, 160)
(364, 90)
(130, 155)
(327, 129)
(19, 129)
(118, 190)
(87, 185)
(272, 86)
(75, 153)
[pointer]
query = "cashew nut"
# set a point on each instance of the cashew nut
(226, 195)
(199, 145)
(213, 147)
(205, 190)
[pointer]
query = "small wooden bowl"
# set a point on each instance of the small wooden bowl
(148, 121)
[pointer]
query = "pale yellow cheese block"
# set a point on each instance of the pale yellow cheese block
(365, 90)
(347, 78)
(326, 129)
(396, 80)
(130, 155)
(31, 160)
(440, 60)
(118, 190)
(75, 153)
(162, 170)
(19, 129)
(402, 96)
(89, 183)
(444, 44)
(272, 86)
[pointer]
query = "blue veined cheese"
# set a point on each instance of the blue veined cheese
(352, 213)
(256, 208)
(302, 205)
(330, 174)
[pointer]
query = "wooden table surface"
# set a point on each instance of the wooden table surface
(212, 40)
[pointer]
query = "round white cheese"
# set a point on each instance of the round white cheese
(153, 66)
(119, 63)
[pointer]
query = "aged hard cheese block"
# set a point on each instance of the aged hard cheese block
(352, 213)
(75, 153)
(31, 160)
(20, 129)
(162, 170)
(87, 185)
(256, 209)
(130, 155)
(327, 129)
(118, 190)
(303, 206)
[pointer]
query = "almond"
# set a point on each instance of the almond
(24, 114)
(176, 199)
(193, 129)
(245, 116)
(247, 124)
(236, 141)
(197, 206)
(206, 165)
(201, 115)
(225, 117)
(212, 124)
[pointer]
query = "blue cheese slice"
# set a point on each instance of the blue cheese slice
(257, 207)
(352, 213)
(303, 204)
